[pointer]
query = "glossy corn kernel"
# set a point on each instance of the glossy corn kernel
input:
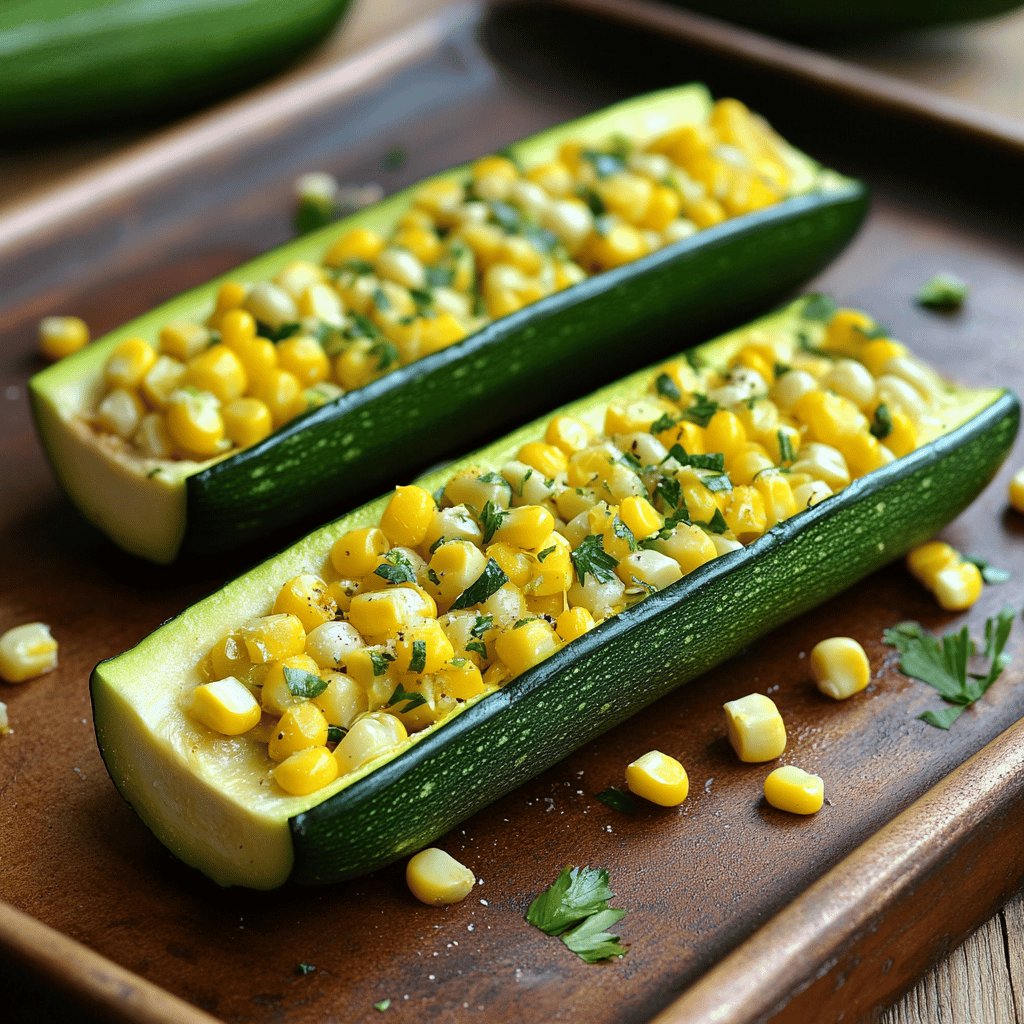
(305, 358)
(26, 652)
(356, 553)
(247, 421)
(407, 517)
(183, 339)
(423, 648)
(61, 336)
(840, 667)
(957, 587)
(130, 361)
(368, 738)
(640, 516)
(385, 613)
(306, 771)
(847, 331)
(522, 647)
(1016, 491)
(689, 546)
(792, 789)
(281, 392)
(120, 412)
(300, 727)
(195, 423)
(648, 570)
(306, 597)
(228, 657)
(272, 638)
(282, 678)
(745, 513)
(437, 878)
(219, 371)
(659, 778)
(225, 706)
(551, 572)
(515, 563)
(527, 527)
(343, 700)
(359, 244)
(460, 679)
(571, 435)
(755, 728)
(573, 623)
(164, 378)
(456, 566)
(547, 459)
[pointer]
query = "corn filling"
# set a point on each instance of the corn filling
(462, 255)
(453, 594)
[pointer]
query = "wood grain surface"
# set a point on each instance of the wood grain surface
(124, 897)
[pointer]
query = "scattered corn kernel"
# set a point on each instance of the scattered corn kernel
(794, 790)
(755, 728)
(61, 336)
(437, 878)
(26, 652)
(840, 667)
(659, 778)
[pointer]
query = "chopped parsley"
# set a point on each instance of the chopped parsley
(819, 308)
(302, 683)
(701, 411)
(666, 387)
(662, 423)
(304, 968)
(942, 663)
(717, 482)
(482, 625)
(410, 698)
(152, 473)
(506, 216)
(491, 518)
(522, 622)
(623, 532)
(336, 733)
(382, 1004)
(379, 660)
(989, 573)
(881, 422)
(575, 908)
(490, 580)
(418, 659)
(786, 453)
(541, 555)
(279, 333)
(714, 460)
(394, 158)
(396, 568)
(440, 277)
(478, 647)
(618, 800)
(381, 301)
(717, 523)
(670, 491)
(943, 291)
(604, 164)
(593, 200)
(591, 557)
(433, 577)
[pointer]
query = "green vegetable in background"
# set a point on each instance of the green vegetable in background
(99, 61)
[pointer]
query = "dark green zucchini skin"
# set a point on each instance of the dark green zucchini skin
(643, 653)
(81, 63)
(839, 17)
(548, 352)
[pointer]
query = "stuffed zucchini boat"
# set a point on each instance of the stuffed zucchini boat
(354, 697)
(316, 372)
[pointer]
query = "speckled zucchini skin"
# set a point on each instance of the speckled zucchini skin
(664, 641)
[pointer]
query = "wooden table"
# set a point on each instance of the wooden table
(984, 979)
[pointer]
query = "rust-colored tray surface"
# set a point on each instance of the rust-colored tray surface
(698, 880)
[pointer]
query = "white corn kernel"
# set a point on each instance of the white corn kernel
(756, 730)
(26, 652)
(437, 878)
(328, 644)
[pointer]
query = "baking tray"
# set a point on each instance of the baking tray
(737, 912)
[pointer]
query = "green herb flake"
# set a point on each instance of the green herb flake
(819, 308)
(944, 291)
(701, 411)
(591, 941)
(336, 733)
(666, 387)
(482, 625)
(989, 573)
(440, 277)
(604, 164)
(488, 582)
(522, 622)
(411, 698)
(302, 683)
(942, 663)
(786, 454)
(153, 472)
(717, 523)
(881, 422)
(623, 532)
(717, 482)
(418, 660)
(303, 968)
(433, 577)
(380, 661)
(591, 557)
(541, 555)
(491, 518)
(670, 492)
(506, 216)
(662, 423)
(381, 1005)
(618, 800)
(477, 647)
(714, 460)
(396, 569)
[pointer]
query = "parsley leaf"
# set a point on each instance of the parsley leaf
(304, 968)
(382, 1004)
(881, 422)
(989, 573)
(666, 387)
(786, 453)
(662, 423)
(379, 660)
(302, 683)
(418, 659)
(716, 482)
(670, 491)
(541, 555)
(819, 307)
(717, 523)
(942, 663)
(604, 164)
(410, 698)
(618, 800)
(714, 460)
(482, 625)
(490, 580)
(591, 557)
(478, 647)
(623, 532)
(591, 941)
(701, 411)
(336, 733)
(576, 894)
(491, 519)
(396, 568)
(943, 291)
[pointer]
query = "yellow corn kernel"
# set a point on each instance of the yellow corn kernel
(120, 412)
(746, 465)
(440, 331)
(1016, 492)
(876, 354)
(829, 417)
(407, 517)
(164, 378)
(840, 667)
(195, 423)
(219, 371)
(568, 434)
(699, 500)
(237, 326)
(755, 727)
(300, 727)
(689, 436)
(502, 302)
(548, 459)
(523, 647)
(259, 358)
(515, 563)
(863, 453)
(705, 213)
(725, 433)
(457, 565)
(247, 421)
(230, 295)
(689, 546)
(183, 339)
(273, 638)
(423, 648)
(226, 706)
(663, 207)
(553, 176)
(441, 199)
(792, 789)
(927, 560)
(551, 572)
(306, 358)
(621, 244)
(640, 516)
(573, 623)
(460, 679)
(368, 738)
(527, 527)
(228, 657)
(385, 613)
(957, 587)
(355, 368)
(26, 652)
(626, 195)
(357, 244)
(276, 695)
(745, 514)
(60, 336)
(777, 495)
(129, 363)
(630, 418)
(902, 438)
(438, 879)
(305, 596)
(847, 332)
(568, 274)
(658, 778)
(152, 437)
(422, 242)
(342, 700)
(355, 553)
(281, 392)
(306, 771)
(549, 605)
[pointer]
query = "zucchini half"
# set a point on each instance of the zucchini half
(514, 367)
(205, 799)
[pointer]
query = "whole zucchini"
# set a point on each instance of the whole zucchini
(508, 365)
(99, 61)
(215, 799)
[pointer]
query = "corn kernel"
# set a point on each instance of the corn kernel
(120, 412)
(130, 361)
(369, 737)
(237, 326)
(571, 435)
(329, 643)
(195, 423)
(247, 421)
(385, 613)
(343, 700)
(306, 771)
(792, 789)
(640, 516)
(957, 587)
(658, 778)
(228, 657)
(527, 527)
(305, 357)
(547, 459)
(523, 647)
(281, 392)
(276, 695)
(927, 560)
(407, 517)
(60, 336)
(689, 545)
(438, 879)
(272, 638)
(164, 378)
(183, 339)
(26, 652)
(300, 727)
(225, 706)
(219, 371)
(305, 596)
(460, 679)
(423, 648)
(840, 667)
(745, 513)
(1016, 492)
(573, 623)
(755, 727)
